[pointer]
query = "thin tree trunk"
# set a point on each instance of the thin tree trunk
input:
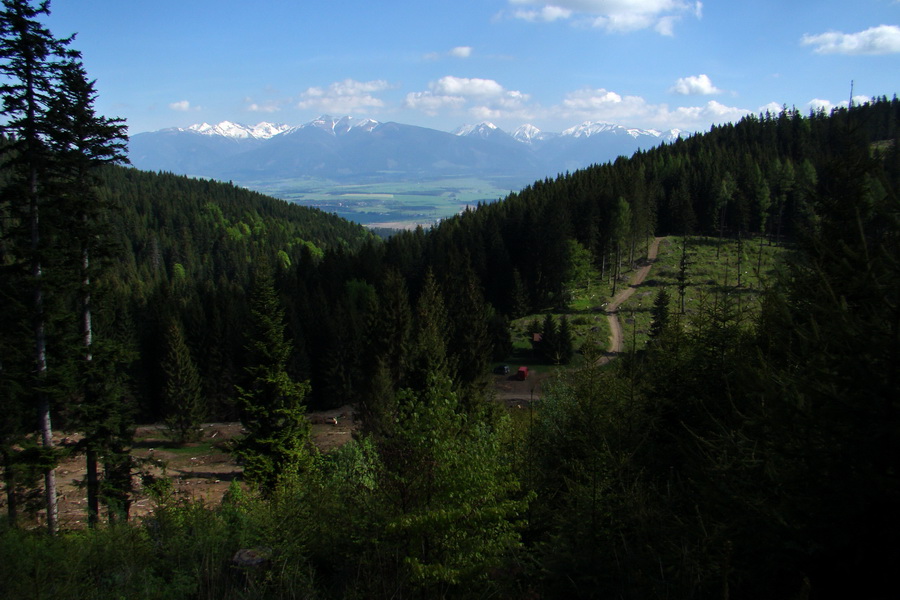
(616, 270)
(9, 481)
(40, 358)
(93, 488)
(93, 482)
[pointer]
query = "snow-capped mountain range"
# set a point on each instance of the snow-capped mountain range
(526, 133)
(352, 149)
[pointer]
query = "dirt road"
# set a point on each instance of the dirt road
(612, 314)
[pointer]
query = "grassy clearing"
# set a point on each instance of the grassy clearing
(741, 268)
(586, 313)
(713, 269)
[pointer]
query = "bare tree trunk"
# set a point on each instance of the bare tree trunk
(93, 482)
(40, 357)
(616, 270)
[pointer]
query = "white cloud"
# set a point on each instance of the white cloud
(695, 85)
(457, 52)
(713, 113)
(263, 108)
(611, 15)
(772, 108)
(461, 52)
(884, 39)
(547, 14)
(462, 86)
(483, 98)
(666, 26)
(633, 111)
(268, 107)
(432, 104)
(817, 104)
(181, 106)
(344, 96)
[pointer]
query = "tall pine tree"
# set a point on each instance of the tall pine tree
(272, 406)
(182, 403)
(30, 59)
(82, 142)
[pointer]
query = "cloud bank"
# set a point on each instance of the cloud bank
(487, 99)
(589, 104)
(345, 96)
(613, 16)
(884, 39)
(482, 98)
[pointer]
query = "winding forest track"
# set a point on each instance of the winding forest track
(515, 393)
(616, 339)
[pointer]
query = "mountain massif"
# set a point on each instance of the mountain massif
(361, 150)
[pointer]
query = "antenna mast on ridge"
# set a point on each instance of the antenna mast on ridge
(851, 94)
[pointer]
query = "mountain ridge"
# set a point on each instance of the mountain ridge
(362, 149)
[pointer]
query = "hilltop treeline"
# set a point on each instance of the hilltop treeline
(729, 458)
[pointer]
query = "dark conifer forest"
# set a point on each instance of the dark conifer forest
(730, 457)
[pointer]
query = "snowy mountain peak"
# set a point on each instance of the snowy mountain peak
(266, 130)
(483, 129)
(261, 131)
(529, 133)
(673, 134)
(589, 128)
(340, 125)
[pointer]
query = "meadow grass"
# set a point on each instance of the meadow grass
(712, 270)
(715, 267)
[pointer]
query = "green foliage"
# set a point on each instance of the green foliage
(735, 458)
(183, 405)
(103, 564)
(272, 407)
(711, 464)
(660, 314)
(447, 495)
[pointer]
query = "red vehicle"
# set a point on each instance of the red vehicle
(523, 373)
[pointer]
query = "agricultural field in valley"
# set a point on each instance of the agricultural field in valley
(396, 205)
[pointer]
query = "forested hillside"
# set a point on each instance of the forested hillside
(733, 456)
(186, 249)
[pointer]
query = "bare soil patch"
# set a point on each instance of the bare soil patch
(201, 470)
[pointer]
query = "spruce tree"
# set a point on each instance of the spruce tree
(519, 303)
(565, 345)
(29, 62)
(82, 142)
(182, 406)
(271, 407)
(660, 314)
(429, 346)
(550, 340)
(391, 337)
(469, 343)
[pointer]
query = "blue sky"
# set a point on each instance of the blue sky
(443, 63)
